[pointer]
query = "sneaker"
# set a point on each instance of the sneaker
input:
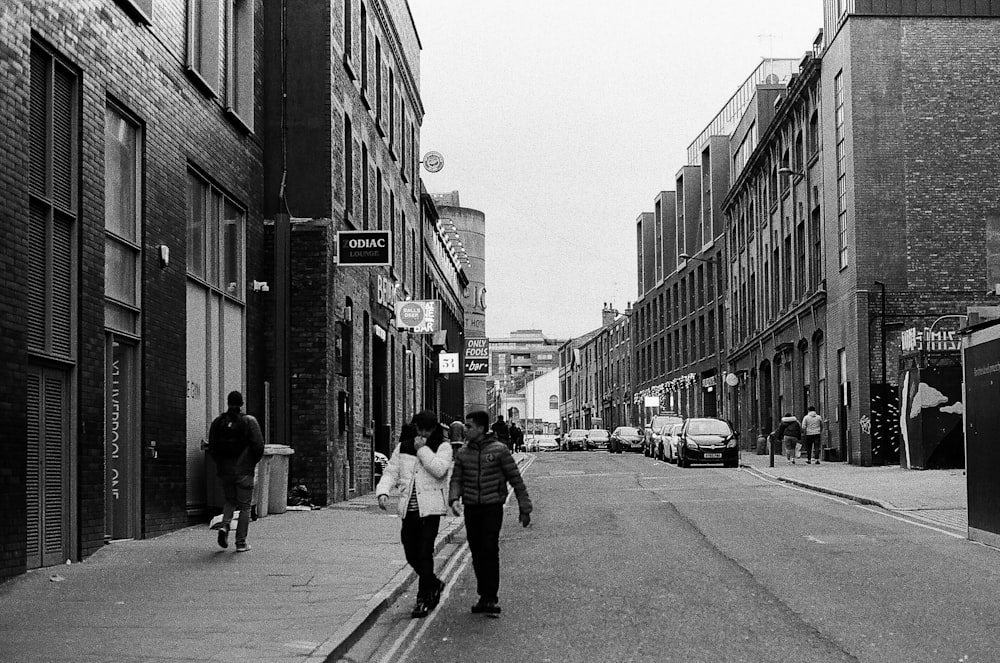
(486, 607)
(808, 461)
(242, 547)
(420, 609)
(223, 538)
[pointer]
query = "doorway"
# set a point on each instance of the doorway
(380, 393)
(122, 447)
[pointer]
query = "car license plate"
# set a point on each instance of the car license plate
(713, 455)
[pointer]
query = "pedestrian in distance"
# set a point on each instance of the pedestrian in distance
(483, 468)
(812, 431)
(236, 445)
(516, 437)
(456, 434)
(789, 432)
(501, 430)
(419, 469)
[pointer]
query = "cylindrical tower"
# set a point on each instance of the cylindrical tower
(471, 224)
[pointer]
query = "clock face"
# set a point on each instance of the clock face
(433, 162)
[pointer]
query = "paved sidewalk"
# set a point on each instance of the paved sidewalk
(937, 496)
(311, 579)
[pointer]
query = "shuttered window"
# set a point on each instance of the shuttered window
(47, 475)
(53, 142)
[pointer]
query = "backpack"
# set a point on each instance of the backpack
(231, 436)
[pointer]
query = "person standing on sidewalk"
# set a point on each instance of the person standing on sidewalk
(812, 431)
(419, 468)
(483, 468)
(236, 445)
(789, 431)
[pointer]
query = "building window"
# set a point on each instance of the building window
(348, 165)
(364, 185)
(348, 31)
(53, 174)
(139, 10)
(363, 34)
(240, 60)
(205, 21)
(122, 220)
(813, 133)
(817, 242)
(553, 402)
(838, 102)
(215, 228)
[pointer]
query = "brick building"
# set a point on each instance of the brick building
(133, 197)
(341, 153)
(678, 322)
(861, 202)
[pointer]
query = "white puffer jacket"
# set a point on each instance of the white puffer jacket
(432, 471)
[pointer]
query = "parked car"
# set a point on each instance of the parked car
(576, 439)
(704, 440)
(653, 426)
(625, 438)
(598, 438)
(669, 436)
(547, 443)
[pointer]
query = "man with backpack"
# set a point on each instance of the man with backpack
(236, 445)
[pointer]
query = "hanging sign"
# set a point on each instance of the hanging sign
(419, 316)
(448, 362)
(364, 248)
(477, 356)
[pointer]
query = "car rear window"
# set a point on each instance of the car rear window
(625, 430)
(708, 427)
(598, 433)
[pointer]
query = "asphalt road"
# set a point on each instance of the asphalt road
(631, 559)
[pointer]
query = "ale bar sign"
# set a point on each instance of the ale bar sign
(364, 248)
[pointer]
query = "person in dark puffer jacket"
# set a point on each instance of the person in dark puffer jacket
(483, 468)
(789, 432)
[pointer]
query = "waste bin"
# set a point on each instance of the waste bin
(270, 488)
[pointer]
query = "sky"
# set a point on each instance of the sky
(561, 120)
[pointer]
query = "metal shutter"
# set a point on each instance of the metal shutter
(46, 476)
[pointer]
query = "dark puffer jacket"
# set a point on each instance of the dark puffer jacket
(482, 471)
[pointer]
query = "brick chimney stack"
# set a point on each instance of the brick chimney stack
(608, 314)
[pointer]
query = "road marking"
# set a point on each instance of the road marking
(789, 486)
(425, 623)
(912, 522)
(815, 540)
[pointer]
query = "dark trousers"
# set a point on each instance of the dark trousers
(810, 442)
(482, 528)
(238, 489)
(418, 535)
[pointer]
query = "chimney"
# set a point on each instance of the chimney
(607, 315)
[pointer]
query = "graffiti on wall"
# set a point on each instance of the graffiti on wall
(884, 425)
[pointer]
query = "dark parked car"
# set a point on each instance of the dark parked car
(597, 438)
(625, 438)
(707, 441)
(576, 439)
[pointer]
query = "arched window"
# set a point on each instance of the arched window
(553, 402)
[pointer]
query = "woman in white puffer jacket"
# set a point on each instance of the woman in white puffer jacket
(420, 468)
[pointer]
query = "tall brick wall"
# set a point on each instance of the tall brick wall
(141, 69)
(13, 296)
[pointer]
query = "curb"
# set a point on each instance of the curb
(820, 489)
(361, 621)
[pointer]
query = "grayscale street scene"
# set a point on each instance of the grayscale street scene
(427, 331)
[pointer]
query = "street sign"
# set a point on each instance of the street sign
(477, 356)
(419, 316)
(652, 401)
(364, 248)
(448, 362)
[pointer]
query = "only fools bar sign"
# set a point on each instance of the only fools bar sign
(364, 248)
(477, 356)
